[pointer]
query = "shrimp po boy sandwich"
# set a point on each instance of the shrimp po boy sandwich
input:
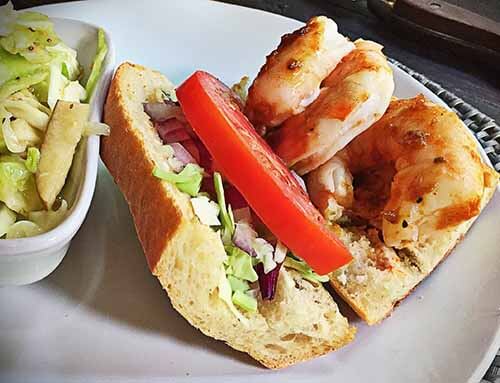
(245, 206)
(226, 228)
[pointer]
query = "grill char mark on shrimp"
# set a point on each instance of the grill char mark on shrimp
(439, 177)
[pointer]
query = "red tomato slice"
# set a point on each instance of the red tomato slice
(249, 164)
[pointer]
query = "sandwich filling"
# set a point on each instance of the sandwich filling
(254, 255)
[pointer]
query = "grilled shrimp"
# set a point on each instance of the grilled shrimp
(292, 74)
(331, 187)
(416, 172)
(353, 96)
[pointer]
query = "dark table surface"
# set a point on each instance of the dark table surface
(475, 82)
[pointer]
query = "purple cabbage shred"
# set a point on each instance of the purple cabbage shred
(267, 282)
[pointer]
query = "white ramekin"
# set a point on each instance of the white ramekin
(27, 260)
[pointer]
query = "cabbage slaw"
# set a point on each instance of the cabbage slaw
(36, 70)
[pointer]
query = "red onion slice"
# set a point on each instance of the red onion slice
(181, 154)
(192, 148)
(172, 130)
(178, 135)
(243, 214)
(243, 237)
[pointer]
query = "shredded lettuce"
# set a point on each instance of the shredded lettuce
(188, 180)
(233, 287)
(226, 295)
(238, 284)
(102, 50)
(7, 219)
(239, 272)
(234, 291)
(32, 159)
(239, 264)
(304, 269)
(245, 301)
(226, 214)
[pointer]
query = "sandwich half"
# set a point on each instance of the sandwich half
(188, 257)
(419, 184)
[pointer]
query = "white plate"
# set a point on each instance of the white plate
(102, 317)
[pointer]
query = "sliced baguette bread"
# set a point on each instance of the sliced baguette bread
(372, 289)
(381, 276)
(301, 323)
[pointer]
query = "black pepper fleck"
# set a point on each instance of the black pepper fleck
(439, 160)
(71, 106)
(404, 224)
(18, 78)
(419, 199)
(294, 64)
(30, 48)
(31, 29)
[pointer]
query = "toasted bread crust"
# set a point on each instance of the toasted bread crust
(402, 278)
(156, 218)
(302, 322)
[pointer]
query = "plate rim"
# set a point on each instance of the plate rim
(495, 341)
